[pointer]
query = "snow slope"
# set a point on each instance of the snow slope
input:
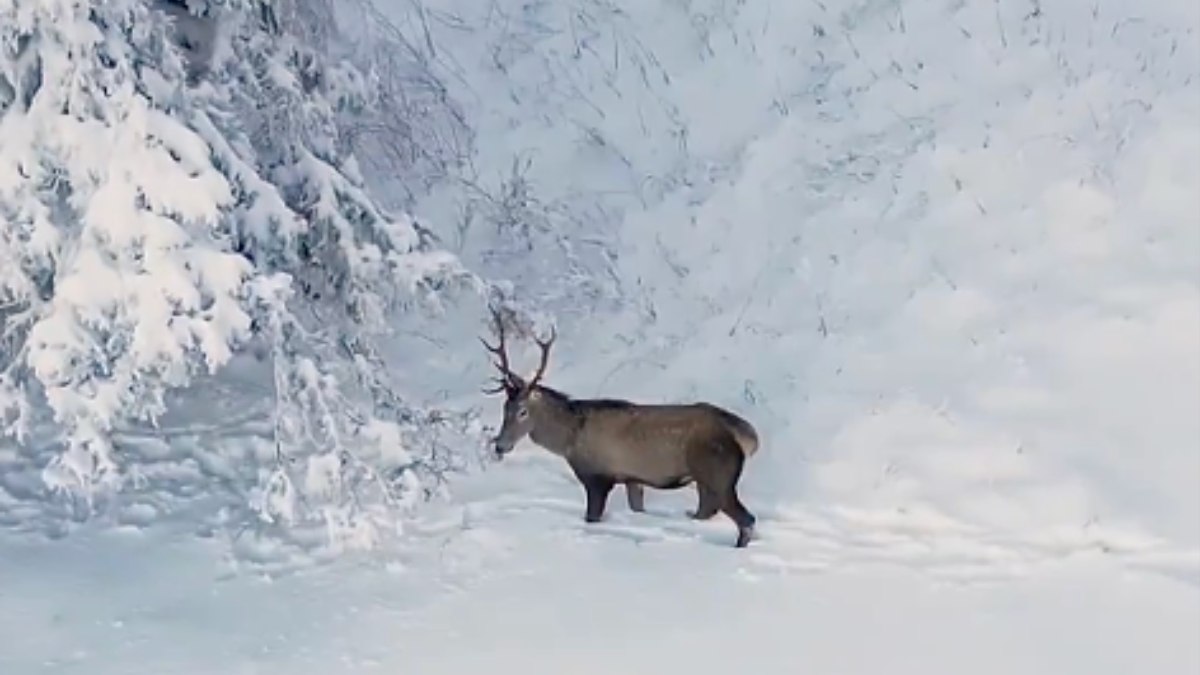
(945, 255)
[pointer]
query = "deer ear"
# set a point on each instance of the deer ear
(535, 395)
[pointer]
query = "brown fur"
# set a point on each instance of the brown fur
(606, 442)
(662, 430)
(666, 446)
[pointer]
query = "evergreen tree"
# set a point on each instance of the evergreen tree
(163, 208)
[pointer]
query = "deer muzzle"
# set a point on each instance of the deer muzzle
(501, 447)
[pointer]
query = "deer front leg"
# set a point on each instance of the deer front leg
(636, 496)
(597, 489)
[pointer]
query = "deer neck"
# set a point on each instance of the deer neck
(555, 424)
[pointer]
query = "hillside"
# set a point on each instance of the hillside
(946, 258)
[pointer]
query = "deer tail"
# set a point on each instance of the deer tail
(743, 431)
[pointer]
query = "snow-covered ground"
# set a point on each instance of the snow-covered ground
(520, 587)
(946, 256)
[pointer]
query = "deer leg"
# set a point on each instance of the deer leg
(735, 509)
(709, 503)
(597, 488)
(719, 469)
(636, 496)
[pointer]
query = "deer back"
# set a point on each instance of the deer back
(650, 442)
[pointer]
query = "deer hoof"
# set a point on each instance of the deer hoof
(744, 537)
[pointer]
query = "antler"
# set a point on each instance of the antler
(507, 379)
(502, 385)
(545, 347)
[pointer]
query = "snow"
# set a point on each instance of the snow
(946, 257)
(519, 593)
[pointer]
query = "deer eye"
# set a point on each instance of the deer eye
(522, 413)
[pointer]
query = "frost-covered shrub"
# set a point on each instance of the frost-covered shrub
(159, 215)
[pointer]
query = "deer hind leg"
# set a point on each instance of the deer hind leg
(735, 509)
(635, 494)
(718, 467)
(708, 505)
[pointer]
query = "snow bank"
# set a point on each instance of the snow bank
(959, 294)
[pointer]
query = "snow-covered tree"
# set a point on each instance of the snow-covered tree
(175, 186)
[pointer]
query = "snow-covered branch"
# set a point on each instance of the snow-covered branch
(177, 183)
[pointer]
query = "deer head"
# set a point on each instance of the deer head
(518, 393)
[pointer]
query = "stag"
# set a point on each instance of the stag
(608, 442)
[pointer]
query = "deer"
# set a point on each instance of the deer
(607, 442)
